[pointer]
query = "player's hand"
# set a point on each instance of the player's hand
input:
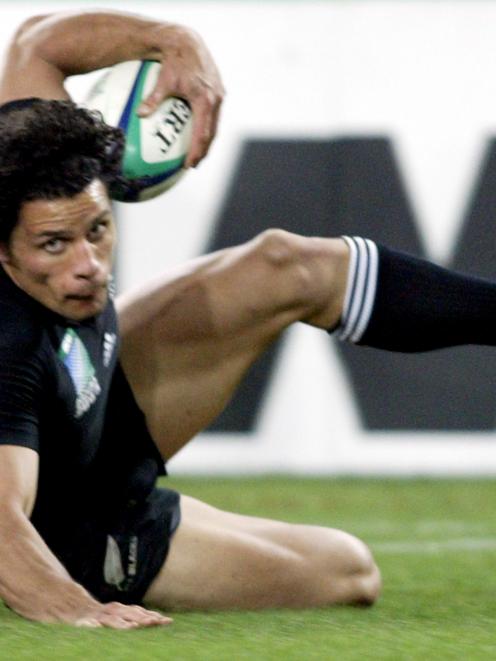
(121, 616)
(190, 73)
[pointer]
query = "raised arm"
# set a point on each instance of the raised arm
(32, 581)
(47, 49)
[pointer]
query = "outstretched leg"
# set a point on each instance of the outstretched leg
(403, 303)
(220, 560)
(189, 339)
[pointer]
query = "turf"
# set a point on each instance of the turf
(435, 541)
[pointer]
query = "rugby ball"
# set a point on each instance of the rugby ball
(157, 145)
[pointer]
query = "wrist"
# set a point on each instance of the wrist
(168, 39)
(69, 603)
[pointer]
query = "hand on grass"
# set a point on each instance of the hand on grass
(121, 616)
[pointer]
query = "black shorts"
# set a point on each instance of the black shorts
(120, 562)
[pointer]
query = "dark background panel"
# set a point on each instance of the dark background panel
(354, 186)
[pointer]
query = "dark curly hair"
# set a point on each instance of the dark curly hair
(51, 149)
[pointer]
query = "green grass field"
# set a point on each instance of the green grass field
(435, 541)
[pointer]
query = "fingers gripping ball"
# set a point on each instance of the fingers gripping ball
(157, 145)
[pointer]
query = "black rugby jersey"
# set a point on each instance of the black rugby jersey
(63, 394)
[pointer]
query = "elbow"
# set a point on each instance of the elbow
(27, 25)
(26, 36)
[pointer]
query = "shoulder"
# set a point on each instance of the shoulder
(19, 333)
(20, 330)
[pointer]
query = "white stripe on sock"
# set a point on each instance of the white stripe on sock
(350, 284)
(360, 289)
(357, 284)
(371, 286)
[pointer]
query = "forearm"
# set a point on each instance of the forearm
(76, 43)
(32, 581)
(48, 49)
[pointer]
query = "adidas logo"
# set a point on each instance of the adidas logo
(109, 341)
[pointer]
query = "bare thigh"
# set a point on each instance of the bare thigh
(220, 560)
(189, 337)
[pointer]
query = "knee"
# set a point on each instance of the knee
(308, 267)
(278, 249)
(362, 579)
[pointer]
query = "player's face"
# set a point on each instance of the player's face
(60, 252)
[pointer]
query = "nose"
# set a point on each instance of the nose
(86, 263)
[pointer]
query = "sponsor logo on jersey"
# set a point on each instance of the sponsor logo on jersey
(76, 359)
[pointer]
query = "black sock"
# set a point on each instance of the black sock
(401, 303)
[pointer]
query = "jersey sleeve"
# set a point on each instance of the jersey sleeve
(21, 379)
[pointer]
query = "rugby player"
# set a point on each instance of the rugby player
(87, 420)
(89, 412)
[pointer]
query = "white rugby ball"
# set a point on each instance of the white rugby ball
(157, 145)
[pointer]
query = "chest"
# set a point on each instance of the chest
(82, 361)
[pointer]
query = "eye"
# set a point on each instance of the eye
(98, 230)
(54, 246)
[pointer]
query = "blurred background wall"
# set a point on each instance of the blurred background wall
(373, 118)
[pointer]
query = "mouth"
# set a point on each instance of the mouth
(86, 296)
(81, 297)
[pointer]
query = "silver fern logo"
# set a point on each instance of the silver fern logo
(119, 571)
(76, 359)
